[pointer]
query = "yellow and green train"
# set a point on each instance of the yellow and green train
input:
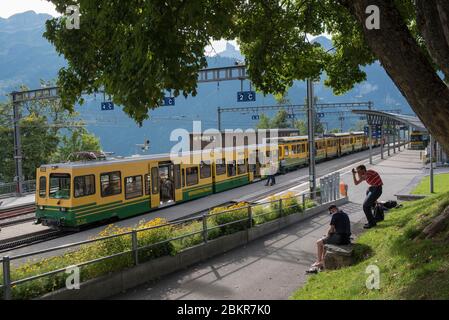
(73, 194)
(419, 140)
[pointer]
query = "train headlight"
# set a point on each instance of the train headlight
(41, 207)
(63, 209)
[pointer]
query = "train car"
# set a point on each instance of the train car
(73, 194)
(293, 151)
(331, 147)
(320, 149)
(79, 193)
(419, 140)
(344, 144)
(358, 141)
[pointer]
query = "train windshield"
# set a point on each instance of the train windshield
(416, 138)
(59, 186)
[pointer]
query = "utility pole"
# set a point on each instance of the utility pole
(311, 131)
(219, 119)
(370, 134)
(17, 145)
(431, 164)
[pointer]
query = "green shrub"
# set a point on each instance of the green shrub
(264, 213)
(223, 215)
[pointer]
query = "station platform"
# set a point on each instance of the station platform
(274, 266)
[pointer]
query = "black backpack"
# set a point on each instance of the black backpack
(379, 213)
(390, 204)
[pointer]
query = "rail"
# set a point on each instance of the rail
(248, 216)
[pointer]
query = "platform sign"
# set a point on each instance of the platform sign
(168, 101)
(106, 106)
(245, 96)
(320, 114)
(255, 117)
(291, 116)
(375, 131)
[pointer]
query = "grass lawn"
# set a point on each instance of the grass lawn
(409, 269)
(441, 184)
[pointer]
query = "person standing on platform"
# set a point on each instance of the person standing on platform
(372, 194)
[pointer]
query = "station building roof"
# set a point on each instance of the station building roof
(387, 118)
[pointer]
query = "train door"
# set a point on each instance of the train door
(255, 165)
(166, 183)
(153, 169)
(177, 179)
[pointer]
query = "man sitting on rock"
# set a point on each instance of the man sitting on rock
(339, 234)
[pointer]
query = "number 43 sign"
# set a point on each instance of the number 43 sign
(245, 96)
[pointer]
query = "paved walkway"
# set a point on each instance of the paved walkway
(17, 201)
(274, 266)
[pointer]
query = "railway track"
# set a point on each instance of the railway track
(31, 238)
(12, 216)
(17, 211)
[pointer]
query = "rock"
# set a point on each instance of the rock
(337, 257)
(437, 225)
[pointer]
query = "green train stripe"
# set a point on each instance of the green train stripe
(112, 207)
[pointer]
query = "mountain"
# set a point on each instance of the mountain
(231, 52)
(26, 57)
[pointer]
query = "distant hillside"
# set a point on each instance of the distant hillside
(25, 58)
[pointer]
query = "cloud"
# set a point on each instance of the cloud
(19, 6)
(367, 87)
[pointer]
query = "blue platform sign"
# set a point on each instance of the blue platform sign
(320, 115)
(255, 117)
(168, 101)
(245, 96)
(108, 105)
(375, 131)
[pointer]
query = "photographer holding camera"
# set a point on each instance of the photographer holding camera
(372, 194)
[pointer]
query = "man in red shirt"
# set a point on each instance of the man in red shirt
(372, 194)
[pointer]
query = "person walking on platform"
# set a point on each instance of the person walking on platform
(372, 194)
(272, 169)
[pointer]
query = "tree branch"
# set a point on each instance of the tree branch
(407, 65)
(431, 29)
(443, 9)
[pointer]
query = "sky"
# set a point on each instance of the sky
(11, 7)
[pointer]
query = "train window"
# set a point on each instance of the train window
(133, 187)
(155, 180)
(84, 186)
(110, 183)
(59, 186)
(191, 176)
(42, 187)
(205, 170)
(147, 184)
(220, 167)
(242, 168)
(286, 151)
(231, 169)
(177, 176)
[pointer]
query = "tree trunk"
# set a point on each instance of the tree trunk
(407, 66)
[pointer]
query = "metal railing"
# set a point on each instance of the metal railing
(247, 217)
(10, 188)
